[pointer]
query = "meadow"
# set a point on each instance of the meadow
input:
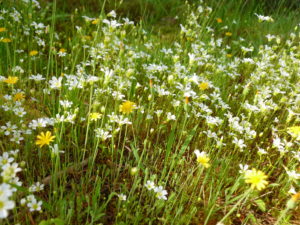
(149, 112)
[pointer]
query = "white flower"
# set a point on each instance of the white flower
(293, 175)
(150, 185)
(243, 168)
(36, 187)
(122, 197)
(9, 171)
(5, 204)
(262, 18)
(55, 83)
(160, 193)
(34, 205)
(261, 151)
(55, 150)
(292, 190)
(5, 159)
(37, 77)
(170, 116)
(102, 134)
(65, 103)
(9, 128)
(239, 143)
(5, 190)
(20, 112)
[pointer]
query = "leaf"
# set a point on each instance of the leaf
(261, 204)
(55, 221)
(188, 140)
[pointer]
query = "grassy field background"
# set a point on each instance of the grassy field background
(150, 112)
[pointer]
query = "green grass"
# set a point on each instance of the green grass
(144, 98)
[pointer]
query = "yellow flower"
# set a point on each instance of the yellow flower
(11, 80)
(256, 178)
(202, 158)
(203, 86)
(295, 132)
(127, 107)
(95, 116)
(2, 29)
(5, 40)
(296, 197)
(96, 21)
(228, 34)
(44, 139)
(219, 20)
(62, 50)
(33, 52)
(19, 96)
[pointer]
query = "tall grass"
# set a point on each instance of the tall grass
(124, 122)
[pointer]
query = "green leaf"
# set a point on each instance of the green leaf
(261, 204)
(55, 221)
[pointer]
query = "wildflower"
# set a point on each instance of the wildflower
(36, 187)
(160, 193)
(122, 197)
(2, 29)
(96, 21)
(55, 150)
(33, 52)
(203, 86)
(55, 83)
(293, 175)
(9, 171)
(5, 204)
(19, 96)
(44, 139)
(20, 112)
(294, 131)
(62, 52)
(5, 159)
(11, 80)
(243, 168)
(127, 107)
(292, 203)
(256, 178)
(228, 34)
(5, 190)
(170, 116)
(65, 103)
(262, 18)
(5, 40)
(37, 77)
(296, 197)
(219, 20)
(202, 158)
(34, 205)
(102, 134)
(95, 116)
(150, 185)
(8, 128)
